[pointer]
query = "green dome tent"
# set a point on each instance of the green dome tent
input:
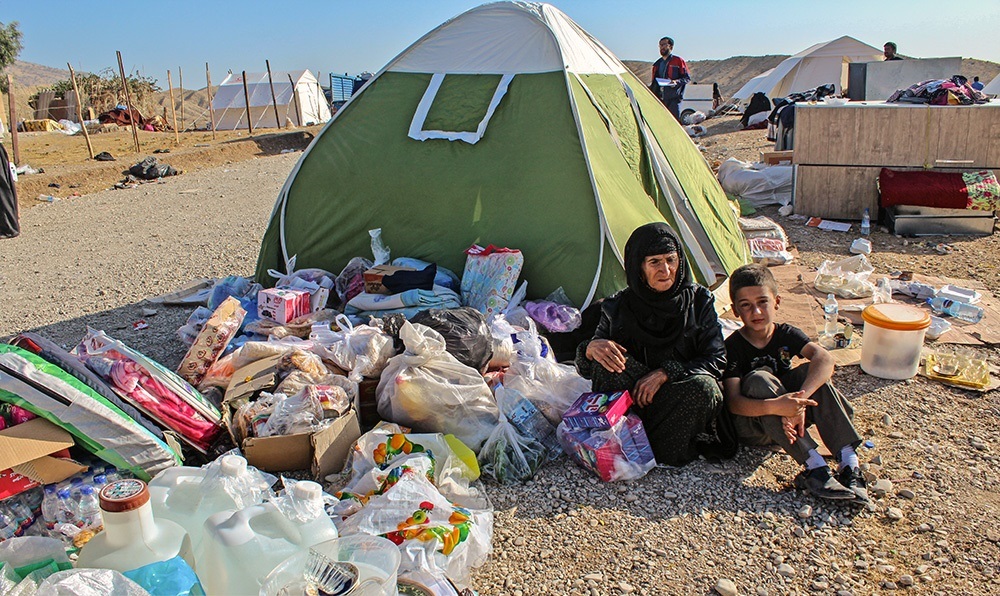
(507, 125)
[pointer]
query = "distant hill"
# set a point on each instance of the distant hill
(732, 73)
(29, 74)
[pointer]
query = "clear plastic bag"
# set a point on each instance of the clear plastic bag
(379, 250)
(250, 487)
(188, 332)
(558, 318)
(513, 454)
(292, 415)
(354, 268)
(433, 534)
(847, 278)
(302, 508)
(173, 577)
(426, 388)
(361, 350)
(465, 333)
(552, 387)
(90, 582)
(502, 334)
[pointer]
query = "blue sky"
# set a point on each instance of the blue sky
(350, 37)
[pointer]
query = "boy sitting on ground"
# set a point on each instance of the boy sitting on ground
(773, 403)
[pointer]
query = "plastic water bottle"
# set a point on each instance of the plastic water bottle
(75, 485)
(8, 527)
(66, 513)
(50, 507)
(99, 481)
(969, 313)
(866, 223)
(830, 311)
(88, 511)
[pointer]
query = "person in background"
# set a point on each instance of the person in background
(670, 75)
(976, 84)
(9, 226)
(889, 51)
(660, 340)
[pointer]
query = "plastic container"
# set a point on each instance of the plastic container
(132, 537)
(866, 223)
(88, 510)
(241, 547)
(893, 338)
(179, 494)
(376, 559)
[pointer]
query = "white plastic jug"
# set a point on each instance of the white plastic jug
(179, 495)
(240, 548)
(132, 537)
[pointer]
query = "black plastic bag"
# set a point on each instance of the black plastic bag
(466, 334)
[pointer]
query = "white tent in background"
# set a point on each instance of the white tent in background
(820, 64)
(993, 88)
(299, 105)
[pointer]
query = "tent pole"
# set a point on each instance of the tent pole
(295, 96)
(180, 87)
(13, 121)
(128, 102)
(211, 108)
(173, 112)
(246, 96)
(79, 109)
(274, 100)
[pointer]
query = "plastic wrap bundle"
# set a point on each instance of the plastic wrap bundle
(465, 332)
(490, 277)
(847, 278)
(558, 318)
(211, 341)
(552, 387)
(361, 350)
(502, 336)
(426, 388)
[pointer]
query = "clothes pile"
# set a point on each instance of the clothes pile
(941, 92)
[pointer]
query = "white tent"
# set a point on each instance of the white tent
(820, 64)
(993, 88)
(307, 105)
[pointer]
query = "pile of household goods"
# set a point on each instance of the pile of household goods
(896, 314)
(456, 375)
(767, 240)
(941, 92)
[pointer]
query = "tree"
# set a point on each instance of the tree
(10, 47)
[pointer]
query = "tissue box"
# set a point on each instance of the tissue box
(597, 410)
(283, 305)
(612, 454)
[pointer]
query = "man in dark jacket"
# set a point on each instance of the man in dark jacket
(670, 75)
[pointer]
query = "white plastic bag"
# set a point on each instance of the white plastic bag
(552, 387)
(432, 533)
(522, 441)
(426, 388)
(363, 351)
(847, 278)
(297, 414)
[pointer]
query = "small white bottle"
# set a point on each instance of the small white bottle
(88, 510)
(830, 311)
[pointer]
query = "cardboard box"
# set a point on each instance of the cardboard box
(373, 278)
(283, 305)
(773, 158)
(597, 410)
(28, 456)
(324, 452)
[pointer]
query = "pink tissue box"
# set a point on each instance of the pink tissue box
(597, 410)
(283, 305)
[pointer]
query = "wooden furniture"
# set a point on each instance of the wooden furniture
(839, 150)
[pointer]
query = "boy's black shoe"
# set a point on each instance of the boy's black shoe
(820, 482)
(853, 479)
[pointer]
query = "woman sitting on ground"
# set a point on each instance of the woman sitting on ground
(661, 340)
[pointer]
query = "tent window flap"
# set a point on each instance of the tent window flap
(458, 107)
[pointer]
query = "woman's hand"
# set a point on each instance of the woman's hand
(608, 354)
(647, 387)
(791, 404)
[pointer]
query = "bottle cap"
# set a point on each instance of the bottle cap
(63, 493)
(87, 490)
(124, 495)
(307, 490)
(233, 465)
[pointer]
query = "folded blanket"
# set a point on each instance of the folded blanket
(407, 303)
(944, 190)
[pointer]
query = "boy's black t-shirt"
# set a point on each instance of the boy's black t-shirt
(742, 357)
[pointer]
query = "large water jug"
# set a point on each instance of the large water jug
(132, 537)
(241, 547)
(188, 496)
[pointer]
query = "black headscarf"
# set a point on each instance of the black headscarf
(655, 319)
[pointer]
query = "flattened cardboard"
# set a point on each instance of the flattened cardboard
(26, 456)
(254, 377)
(324, 452)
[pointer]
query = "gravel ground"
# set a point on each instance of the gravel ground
(737, 527)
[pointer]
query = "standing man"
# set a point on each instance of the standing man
(670, 75)
(889, 51)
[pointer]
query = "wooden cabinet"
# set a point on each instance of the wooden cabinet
(839, 150)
